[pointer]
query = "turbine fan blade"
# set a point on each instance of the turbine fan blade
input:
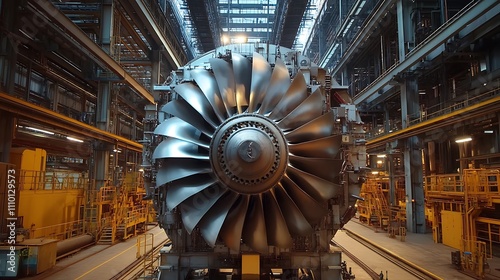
(316, 187)
(254, 233)
(180, 190)
(177, 128)
(184, 167)
(211, 224)
(180, 108)
(196, 206)
(280, 82)
(295, 220)
(232, 229)
(225, 79)
(317, 128)
(207, 83)
(310, 109)
(321, 167)
(175, 148)
(312, 210)
(277, 230)
(321, 148)
(261, 75)
(195, 97)
(242, 69)
(296, 93)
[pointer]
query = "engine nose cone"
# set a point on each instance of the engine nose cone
(249, 151)
(249, 154)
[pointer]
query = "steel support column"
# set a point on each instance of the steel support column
(103, 103)
(497, 135)
(7, 126)
(155, 68)
(415, 205)
(412, 157)
(406, 36)
(392, 183)
(101, 151)
(8, 45)
(107, 26)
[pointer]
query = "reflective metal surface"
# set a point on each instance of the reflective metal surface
(249, 156)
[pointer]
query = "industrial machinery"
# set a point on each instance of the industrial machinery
(250, 168)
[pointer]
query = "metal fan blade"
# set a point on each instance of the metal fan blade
(180, 190)
(312, 210)
(225, 79)
(196, 206)
(195, 97)
(175, 148)
(277, 230)
(211, 224)
(310, 109)
(261, 75)
(180, 108)
(233, 226)
(327, 147)
(321, 167)
(317, 128)
(294, 218)
(296, 93)
(177, 128)
(207, 83)
(254, 233)
(177, 168)
(280, 82)
(315, 186)
(242, 79)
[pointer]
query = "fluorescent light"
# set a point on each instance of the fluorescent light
(39, 130)
(374, 172)
(463, 139)
(381, 156)
(74, 139)
(488, 131)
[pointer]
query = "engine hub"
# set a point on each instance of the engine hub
(249, 153)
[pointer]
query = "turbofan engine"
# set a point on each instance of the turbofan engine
(247, 155)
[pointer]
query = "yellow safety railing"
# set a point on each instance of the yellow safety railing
(59, 231)
(482, 181)
(51, 180)
(443, 183)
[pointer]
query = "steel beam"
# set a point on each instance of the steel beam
(435, 40)
(359, 40)
(51, 12)
(159, 34)
(437, 122)
(40, 114)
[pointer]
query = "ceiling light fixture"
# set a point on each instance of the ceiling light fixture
(39, 130)
(463, 139)
(74, 139)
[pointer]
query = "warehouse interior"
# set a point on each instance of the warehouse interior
(80, 83)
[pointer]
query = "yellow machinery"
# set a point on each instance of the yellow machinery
(118, 213)
(376, 210)
(58, 196)
(458, 204)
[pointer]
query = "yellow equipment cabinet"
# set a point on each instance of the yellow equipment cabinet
(250, 266)
(40, 255)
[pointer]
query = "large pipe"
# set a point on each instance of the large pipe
(73, 243)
